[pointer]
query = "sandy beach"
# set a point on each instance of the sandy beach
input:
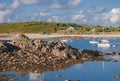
(41, 36)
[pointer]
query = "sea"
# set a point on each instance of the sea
(87, 71)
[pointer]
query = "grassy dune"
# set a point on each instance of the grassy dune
(51, 27)
(26, 27)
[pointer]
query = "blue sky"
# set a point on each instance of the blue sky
(93, 12)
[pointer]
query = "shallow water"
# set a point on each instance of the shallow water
(88, 71)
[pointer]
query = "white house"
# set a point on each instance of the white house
(71, 28)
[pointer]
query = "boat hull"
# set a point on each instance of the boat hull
(103, 45)
(93, 42)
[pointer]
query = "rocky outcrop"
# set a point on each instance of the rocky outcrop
(57, 49)
(23, 51)
(113, 53)
(22, 41)
(7, 47)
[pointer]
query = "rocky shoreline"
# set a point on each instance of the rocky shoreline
(37, 55)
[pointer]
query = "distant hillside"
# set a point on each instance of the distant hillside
(51, 27)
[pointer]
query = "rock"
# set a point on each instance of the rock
(68, 80)
(113, 53)
(90, 53)
(11, 80)
(1, 44)
(23, 37)
(3, 78)
(37, 43)
(41, 80)
(22, 41)
(7, 47)
(115, 61)
(74, 57)
(57, 76)
(3, 47)
(58, 53)
(117, 76)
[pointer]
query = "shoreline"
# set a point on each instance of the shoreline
(42, 36)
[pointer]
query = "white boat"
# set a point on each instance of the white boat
(93, 42)
(64, 40)
(104, 43)
(104, 40)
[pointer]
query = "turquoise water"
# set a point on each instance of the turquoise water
(88, 71)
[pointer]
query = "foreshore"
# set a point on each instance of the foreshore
(42, 36)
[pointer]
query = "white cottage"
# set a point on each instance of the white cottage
(71, 28)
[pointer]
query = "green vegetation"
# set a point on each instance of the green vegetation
(51, 28)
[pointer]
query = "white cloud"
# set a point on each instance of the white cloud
(84, 20)
(96, 19)
(96, 10)
(115, 18)
(78, 16)
(29, 1)
(15, 4)
(112, 17)
(3, 14)
(107, 18)
(115, 10)
(2, 5)
(55, 18)
(81, 12)
(74, 3)
(8, 9)
(115, 15)
(16, 16)
(44, 14)
(56, 5)
(49, 20)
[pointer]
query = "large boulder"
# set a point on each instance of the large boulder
(61, 54)
(64, 51)
(7, 47)
(22, 41)
(91, 53)
(3, 48)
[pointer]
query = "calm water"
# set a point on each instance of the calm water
(84, 44)
(88, 71)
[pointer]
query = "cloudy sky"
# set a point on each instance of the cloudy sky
(95, 12)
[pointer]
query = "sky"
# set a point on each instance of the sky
(91, 12)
